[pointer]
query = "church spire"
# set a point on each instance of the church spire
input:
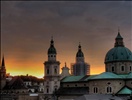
(3, 62)
(119, 40)
(52, 51)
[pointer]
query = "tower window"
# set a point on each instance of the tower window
(54, 55)
(130, 68)
(51, 55)
(122, 68)
(55, 71)
(47, 71)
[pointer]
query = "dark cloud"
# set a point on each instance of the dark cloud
(27, 27)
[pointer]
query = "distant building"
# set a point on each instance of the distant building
(80, 67)
(116, 81)
(2, 74)
(19, 87)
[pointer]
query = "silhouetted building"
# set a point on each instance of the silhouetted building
(65, 71)
(80, 67)
(52, 73)
(2, 74)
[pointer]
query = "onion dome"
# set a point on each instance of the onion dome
(52, 49)
(119, 52)
(79, 53)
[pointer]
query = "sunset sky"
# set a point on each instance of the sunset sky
(27, 27)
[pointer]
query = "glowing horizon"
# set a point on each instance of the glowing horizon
(27, 27)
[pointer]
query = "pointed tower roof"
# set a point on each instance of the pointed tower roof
(79, 53)
(52, 49)
(3, 62)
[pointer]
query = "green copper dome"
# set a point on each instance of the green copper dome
(79, 53)
(119, 52)
(52, 49)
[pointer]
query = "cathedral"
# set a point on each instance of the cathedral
(113, 84)
(116, 80)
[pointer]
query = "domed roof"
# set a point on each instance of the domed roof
(79, 53)
(52, 49)
(119, 52)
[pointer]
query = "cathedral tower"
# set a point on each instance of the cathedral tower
(119, 59)
(51, 72)
(3, 73)
(80, 67)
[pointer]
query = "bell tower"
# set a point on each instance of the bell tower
(51, 72)
(79, 55)
(3, 74)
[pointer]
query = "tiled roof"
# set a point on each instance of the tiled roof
(107, 75)
(130, 75)
(15, 83)
(72, 78)
(125, 90)
(31, 78)
(104, 75)
(98, 97)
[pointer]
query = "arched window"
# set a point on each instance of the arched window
(122, 68)
(55, 71)
(95, 90)
(108, 89)
(113, 69)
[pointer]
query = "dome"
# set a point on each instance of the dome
(52, 49)
(118, 54)
(79, 53)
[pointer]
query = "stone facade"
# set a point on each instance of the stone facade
(119, 67)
